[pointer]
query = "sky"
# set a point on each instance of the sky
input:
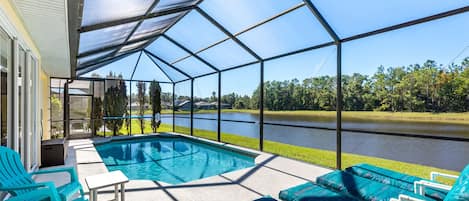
(444, 41)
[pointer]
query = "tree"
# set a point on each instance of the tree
(155, 101)
(115, 105)
(141, 88)
(97, 115)
(213, 98)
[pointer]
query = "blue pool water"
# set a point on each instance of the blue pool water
(172, 160)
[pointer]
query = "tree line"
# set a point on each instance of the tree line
(427, 87)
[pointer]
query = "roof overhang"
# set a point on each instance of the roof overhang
(47, 23)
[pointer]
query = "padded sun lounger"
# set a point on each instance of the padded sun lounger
(362, 188)
(312, 192)
(393, 178)
(458, 192)
(265, 198)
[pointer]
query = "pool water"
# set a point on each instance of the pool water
(173, 160)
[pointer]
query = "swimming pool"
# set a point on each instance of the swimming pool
(173, 160)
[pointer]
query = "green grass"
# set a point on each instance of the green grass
(310, 155)
(135, 129)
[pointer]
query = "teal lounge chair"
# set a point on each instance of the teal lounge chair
(363, 188)
(428, 187)
(20, 185)
(458, 192)
(366, 182)
(342, 186)
(397, 179)
(310, 191)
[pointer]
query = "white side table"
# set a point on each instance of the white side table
(114, 178)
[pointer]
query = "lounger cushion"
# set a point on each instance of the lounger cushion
(311, 192)
(362, 188)
(460, 190)
(393, 178)
(265, 198)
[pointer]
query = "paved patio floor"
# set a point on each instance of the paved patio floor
(270, 175)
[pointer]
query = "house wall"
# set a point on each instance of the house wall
(44, 91)
(11, 22)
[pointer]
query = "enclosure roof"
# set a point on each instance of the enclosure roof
(177, 40)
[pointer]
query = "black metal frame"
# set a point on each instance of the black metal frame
(336, 40)
(192, 107)
(219, 109)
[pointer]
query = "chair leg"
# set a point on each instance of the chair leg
(116, 192)
(122, 192)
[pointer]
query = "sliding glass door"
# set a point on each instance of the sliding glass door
(5, 65)
(18, 89)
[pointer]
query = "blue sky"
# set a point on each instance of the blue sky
(440, 40)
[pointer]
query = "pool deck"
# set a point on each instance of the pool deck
(270, 175)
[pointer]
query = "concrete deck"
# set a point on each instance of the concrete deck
(270, 175)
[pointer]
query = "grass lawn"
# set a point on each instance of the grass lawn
(311, 155)
(135, 128)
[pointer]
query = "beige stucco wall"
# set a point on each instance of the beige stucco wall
(44, 92)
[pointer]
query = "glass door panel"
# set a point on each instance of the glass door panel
(5, 64)
(80, 115)
(21, 69)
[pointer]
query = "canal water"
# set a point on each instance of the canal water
(437, 153)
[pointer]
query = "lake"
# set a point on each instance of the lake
(445, 154)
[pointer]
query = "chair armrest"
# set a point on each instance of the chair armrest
(419, 186)
(434, 175)
(39, 194)
(70, 170)
(29, 186)
(405, 198)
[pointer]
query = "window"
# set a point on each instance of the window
(166, 108)
(148, 70)
(300, 102)
(355, 17)
(408, 81)
(205, 106)
(123, 68)
(240, 106)
(183, 107)
(295, 30)
(80, 107)
(116, 106)
(56, 109)
(99, 11)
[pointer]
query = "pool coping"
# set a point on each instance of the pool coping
(243, 184)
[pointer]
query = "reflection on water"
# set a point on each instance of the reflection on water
(437, 153)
